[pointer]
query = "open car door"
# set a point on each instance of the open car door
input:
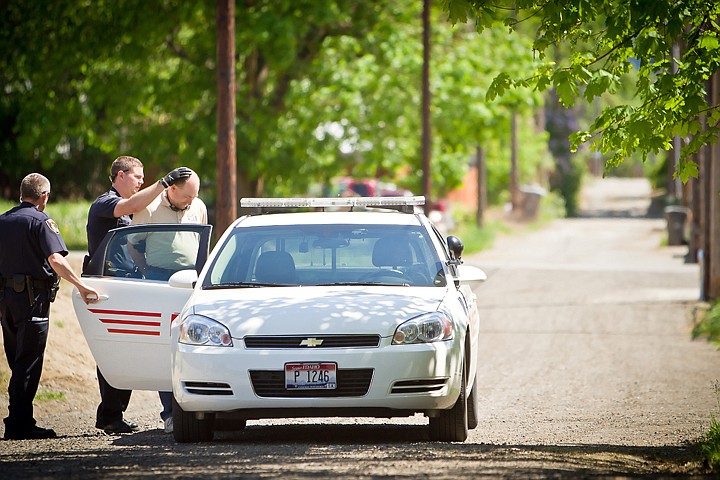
(128, 330)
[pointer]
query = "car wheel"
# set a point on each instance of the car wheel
(473, 406)
(188, 428)
(452, 425)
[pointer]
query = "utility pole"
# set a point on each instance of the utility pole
(426, 145)
(226, 193)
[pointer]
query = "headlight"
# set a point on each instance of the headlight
(198, 330)
(427, 328)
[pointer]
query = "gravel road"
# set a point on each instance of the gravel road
(587, 370)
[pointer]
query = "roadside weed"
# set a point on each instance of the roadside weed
(475, 238)
(710, 444)
(708, 325)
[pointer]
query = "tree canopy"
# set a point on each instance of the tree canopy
(608, 40)
(324, 87)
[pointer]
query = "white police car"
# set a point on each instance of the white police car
(322, 313)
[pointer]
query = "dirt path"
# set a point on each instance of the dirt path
(587, 370)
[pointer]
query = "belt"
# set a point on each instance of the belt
(8, 282)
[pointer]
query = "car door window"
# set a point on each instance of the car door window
(151, 251)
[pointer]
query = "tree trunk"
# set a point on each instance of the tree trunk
(514, 175)
(711, 268)
(481, 186)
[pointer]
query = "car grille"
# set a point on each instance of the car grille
(309, 341)
(208, 388)
(350, 383)
(418, 386)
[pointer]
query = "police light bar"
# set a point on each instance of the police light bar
(323, 202)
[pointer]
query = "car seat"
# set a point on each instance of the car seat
(275, 267)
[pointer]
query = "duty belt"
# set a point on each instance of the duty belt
(16, 281)
(19, 283)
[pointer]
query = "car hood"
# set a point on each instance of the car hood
(315, 310)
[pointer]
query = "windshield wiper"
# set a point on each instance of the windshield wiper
(361, 284)
(217, 286)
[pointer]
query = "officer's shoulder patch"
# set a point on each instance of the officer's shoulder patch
(53, 226)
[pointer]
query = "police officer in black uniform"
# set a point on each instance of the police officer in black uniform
(32, 260)
(114, 209)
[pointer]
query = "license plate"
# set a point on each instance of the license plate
(308, 376)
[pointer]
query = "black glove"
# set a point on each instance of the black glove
(175, 175)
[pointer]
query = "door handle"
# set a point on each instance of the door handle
(102, 297)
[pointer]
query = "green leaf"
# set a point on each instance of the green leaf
(686, 169)
(500, 84)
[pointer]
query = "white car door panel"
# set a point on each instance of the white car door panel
(130, 340)
(128, 329)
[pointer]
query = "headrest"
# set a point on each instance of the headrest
(275, 267)
(392, 251)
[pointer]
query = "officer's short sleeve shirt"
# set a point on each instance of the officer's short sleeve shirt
(101, 218)
(28, 238)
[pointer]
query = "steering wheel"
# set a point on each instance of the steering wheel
(385, 273)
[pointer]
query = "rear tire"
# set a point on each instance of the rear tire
(452, 425)
(188, 428)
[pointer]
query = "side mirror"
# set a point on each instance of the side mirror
(456, 247)
(469, 274)
(183, 279)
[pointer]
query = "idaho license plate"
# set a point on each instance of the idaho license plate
(307, 376)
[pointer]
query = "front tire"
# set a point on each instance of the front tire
(188, 428)
(473, 406)
(452, 425)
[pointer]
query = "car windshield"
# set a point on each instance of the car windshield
(292, 255)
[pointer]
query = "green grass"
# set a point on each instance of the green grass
(710, 443)
(709, 327)
(6, 205)
(70, 216)
(49, 396)
(709, 324)
(475, 238)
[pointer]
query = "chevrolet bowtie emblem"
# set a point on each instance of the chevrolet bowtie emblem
(311, 342)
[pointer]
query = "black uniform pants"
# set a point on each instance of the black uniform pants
(113, 402)
(25, 332)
